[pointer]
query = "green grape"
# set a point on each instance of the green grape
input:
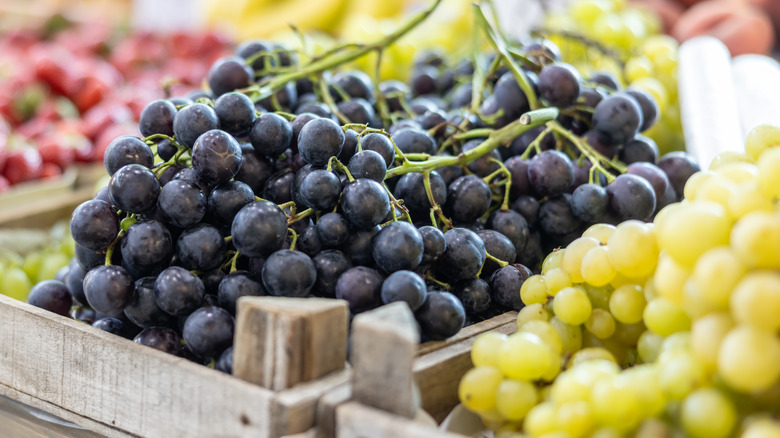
(693, 301)
(761, 138)
(643, 380)
(32, 264)
(600, 232)
(514, 398)
(552, 261)
(627, 304)
(649, 346)
(571, 335)
(591, 354)
(532, 312)
(576, 383)
(575, 418)
(756, 300)
(748, 358)
(664, 317)
(762, 428)
(534, 290)
(716, 189)
(600, 324)
(696, 181)
(607, 432)
(632, 249)
(15, 283)
(50, 265)
(707, 334)
(615, 404)
(753, 240)
(484, 351)
(588, 11)
(572, 306)
(571, 262)
(655, 88)
(679, 373)
(477, 388)
(599, 296)
(525, 356)
(716, 273)
(669, 278)
(748, 198)
(541, 419)
(556, 279)
(691, 230)
(638, 67)
(596, 268)
(737, 167)
(680, 341)
(546, 332)
(707, 413)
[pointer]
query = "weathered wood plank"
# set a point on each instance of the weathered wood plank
(354, 420)
(281, 342)
(295, 410)
(121, 384)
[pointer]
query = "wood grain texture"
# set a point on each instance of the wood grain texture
(295, 410)
(326, 409)
(384, 344)
(120, 384)
(437, 373)
(280, 342)
(354, 420)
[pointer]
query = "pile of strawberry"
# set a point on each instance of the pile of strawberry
(65, 95)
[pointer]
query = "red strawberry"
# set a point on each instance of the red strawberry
(4, 184)
(22, 165)
(49, 170)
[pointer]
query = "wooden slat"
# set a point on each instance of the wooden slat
(44, 213)
(358, 421)
(295, 410)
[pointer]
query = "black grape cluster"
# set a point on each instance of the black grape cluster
(330, 187)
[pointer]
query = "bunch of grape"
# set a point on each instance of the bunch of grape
(286, 180)
(693, 298)
(610, 35)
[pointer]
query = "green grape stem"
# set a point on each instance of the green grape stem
(294, 239)
(597, 160)
(112, 247)
(496, 138)
(435, 207)
(500, 262)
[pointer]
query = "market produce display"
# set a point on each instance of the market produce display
(82, 85)
(287, 179)
(686, 305)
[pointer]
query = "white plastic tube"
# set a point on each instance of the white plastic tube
(757, 85)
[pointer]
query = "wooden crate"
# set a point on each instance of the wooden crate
(121, 389)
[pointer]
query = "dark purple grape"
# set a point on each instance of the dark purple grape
(355, 83)
(51, 295)
(463, 257)
(289, 273)
(255, 169)
(518, 168)
(653, 174)
(648, 106)
(460, 96)
(406, 286)
(208, 331)
(399, 246)
(157, 118)
(142, 309)
(255, 50)
(433, 244)
(226, 200)
(358, 246)
(188, 174)
(178, 292)
(368, 164)
(678, 166)
(365, 203)
(259, 229)
(484, 165)
(441, 316)
(528, 207)
(74, 280)
(330, 264)
(435, 121)
(320, 189)
(236, 113)
(556, 216)
(134, 188)
(126, 150)
(356, 110)
(631, 197)
(146, 245)
(532, 252)
(617, 118)
(319, 140)
(414, 141)
(182, 203)
(201, 248)
(271, 134)
(236, 285)
(161, 338)
(498, 246)
(468, 198)
(332, 230)
(411, 188)
(596, 141)
(216, 157)
(102, 195)
(505, 285)
(559, 84)
(589, 202)
(550, 173)
(279, 188)
(639, 149)
(474, 294)
(606, 79)
(361, 287)
(309, 241)
(228, 74)
(510, 224)
(380, 144)
(212, 278)
(111, 325)
(108, 289)
(225, 361)
(393, 91)
(94, 224)
(192, 121)
(423, 80)
(350, 146)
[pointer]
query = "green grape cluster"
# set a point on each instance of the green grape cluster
(612, 36)
(19, 272)
(651, 329)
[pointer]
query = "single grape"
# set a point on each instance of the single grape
(330, 264)
(142, 309)
(631, 197)
(108, 289)
(226, 200)
(127, 150)
(468, 198)
(440, 316)
(365, 203)
(157, 118)
(361, 287)
(474, 294)
(161, 338)
(506, 283)
(405, 286)
(320, 189)
(216, 157)
(368, 164)
(192, 121)
(182, 202)
(235, 285)
(236, 113)
(228, 74)
(259, 229)
(559, 84)
(178, 292)
(289, 273)
(208, 331)
(94, 225)
(550, 173)
(617, 118)
(398, 246)
(147, 245)
(51, 295)
(463, 256)
(319, 140)
(332, 230)
(201, 248)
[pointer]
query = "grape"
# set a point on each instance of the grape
(596, 268)
(356, 110)
(51, 295)
(110, 325)
(484, 351)
(631, 197)
(665, 317)
(524, 344)
(192, 121)
(355, 83)
(571, 305)
(126, 150)
(364, 203)
(484, 165)
(512, 225)
(499, 247)
(208, 331)
(270, 134)
(146, 245)
(142, 309)
(468, 198)
(463, 257)
(752, 240)
(746, 358)
(559, 84)
(228, 74)
(474, 294)
(259, 229)
(505, 284)
(589, 202)
(161, 338)
(177, 291)
(332, 230)
(320, 189)
(134, 188)
(514, 398)
(550, 173)
(225, 361)
(478, 387)
(679, 167)
(361, 287)
(330, 264)
(235, 285)
(411, 189)
(617, 118)
(632, 249)
(434, 244)
(440, 316)
(108, 289)
(398, 246)
(236, 113)
(226, 200)
(368, 164)
(627, 304)
(94, 225)
(216, 157)
(201, 248)
(319, 140)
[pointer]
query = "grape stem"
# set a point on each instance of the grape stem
(334, 59)
(596, 159)
(294, 239)
(112, 246)
(497, 138)
(507, 183)
(500, 262)
(435, 207)
(175, 159)
(429, 277)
